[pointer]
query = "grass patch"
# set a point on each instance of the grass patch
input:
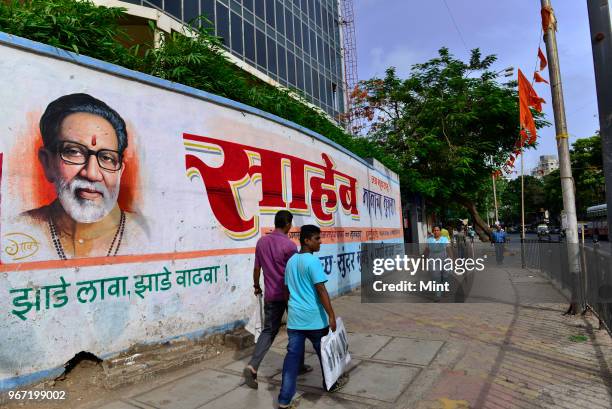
(578, 338)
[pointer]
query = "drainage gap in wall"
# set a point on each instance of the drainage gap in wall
(84, 366)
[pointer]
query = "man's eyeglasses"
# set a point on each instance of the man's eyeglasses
(74, 153)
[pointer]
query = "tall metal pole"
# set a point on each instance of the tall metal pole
(565, 167)
(522, 210)
(495, 199)
(522, 196)
(601, 41)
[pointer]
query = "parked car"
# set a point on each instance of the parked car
(542, 230)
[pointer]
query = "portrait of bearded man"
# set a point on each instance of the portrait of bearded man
(84, 142)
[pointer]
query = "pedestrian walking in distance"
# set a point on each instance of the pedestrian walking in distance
(271, 254)
(499, 241)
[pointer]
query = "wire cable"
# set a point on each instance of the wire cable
(450, 13)
(537, 64)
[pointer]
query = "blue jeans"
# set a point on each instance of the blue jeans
(293, 359)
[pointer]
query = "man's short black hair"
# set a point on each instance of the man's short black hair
(59, 109)
(307, 232)
(282, 219)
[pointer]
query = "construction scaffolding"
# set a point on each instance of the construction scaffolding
(353, 122)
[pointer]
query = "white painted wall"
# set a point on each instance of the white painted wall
(181, 231)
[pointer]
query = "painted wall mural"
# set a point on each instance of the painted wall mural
(130, 208)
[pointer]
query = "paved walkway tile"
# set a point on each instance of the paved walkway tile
(383, 382)
(409, 351)
(265, 397)
(366, 345)
(271, 365)
(314, 401)
(118, 405)
(315, 378)
(192, 391)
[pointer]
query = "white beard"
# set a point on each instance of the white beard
(85, 210)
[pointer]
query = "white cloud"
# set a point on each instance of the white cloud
(400, 57)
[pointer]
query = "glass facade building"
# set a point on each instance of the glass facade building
(294, 42)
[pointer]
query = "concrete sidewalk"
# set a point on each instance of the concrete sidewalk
(419, 356)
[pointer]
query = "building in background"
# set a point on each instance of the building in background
(291, 43)
(546, 165)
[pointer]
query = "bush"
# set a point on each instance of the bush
(77, 26)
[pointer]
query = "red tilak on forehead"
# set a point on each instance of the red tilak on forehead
(93, 140)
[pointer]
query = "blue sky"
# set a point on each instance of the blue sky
(400, 33)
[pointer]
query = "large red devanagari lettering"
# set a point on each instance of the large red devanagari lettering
(315, 188)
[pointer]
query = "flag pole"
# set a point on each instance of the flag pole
(495, 198)
(522, 209)
(565, 167)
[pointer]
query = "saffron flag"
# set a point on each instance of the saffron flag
(538, 78)
(543, 62)
(527, 92)
(521, 142)
(526, 100)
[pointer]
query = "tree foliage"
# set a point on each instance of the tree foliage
(535, 200)
(77, 26)
(449, 125)
(545, 193)
(587, 171)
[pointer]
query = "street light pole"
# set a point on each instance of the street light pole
(567, 182)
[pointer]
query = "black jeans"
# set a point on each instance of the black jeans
(273, 314)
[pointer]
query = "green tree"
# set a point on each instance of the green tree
(449, 125)
(535, 200)
(587, 170)
(553, 194)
